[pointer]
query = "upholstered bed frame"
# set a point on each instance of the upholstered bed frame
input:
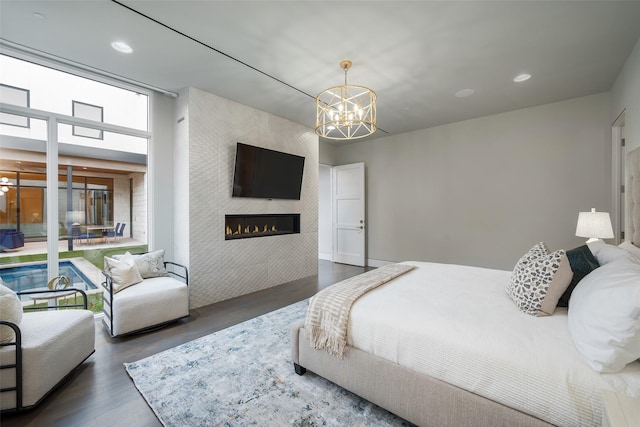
(420, 398)
(413, 396)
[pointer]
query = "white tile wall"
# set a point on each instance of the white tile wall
(220, 269)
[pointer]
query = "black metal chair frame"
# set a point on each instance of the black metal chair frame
(108, 313)
(17, 342)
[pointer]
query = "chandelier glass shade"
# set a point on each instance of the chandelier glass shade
(4, 185)
(347, 111)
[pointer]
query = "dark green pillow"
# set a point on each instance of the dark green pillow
(582, 262)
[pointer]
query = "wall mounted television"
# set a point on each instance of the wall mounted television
(266, 174)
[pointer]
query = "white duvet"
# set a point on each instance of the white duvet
(457, 324)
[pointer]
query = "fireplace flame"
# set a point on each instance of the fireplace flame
(266, 228)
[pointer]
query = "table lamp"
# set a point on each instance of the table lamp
(594, 225)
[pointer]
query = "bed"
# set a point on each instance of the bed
(445, 345)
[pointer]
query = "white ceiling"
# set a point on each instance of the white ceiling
(277, 55)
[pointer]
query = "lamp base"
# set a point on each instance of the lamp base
(594, 239)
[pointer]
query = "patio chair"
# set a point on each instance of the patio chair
(39, 350)
(78, 236)
(112, 234)
(120, 233)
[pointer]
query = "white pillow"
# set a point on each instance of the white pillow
(605, 253)
(123, 272)
(604, 316)
(631, 248)
(10, 310)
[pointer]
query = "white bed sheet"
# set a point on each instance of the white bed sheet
(457, 324)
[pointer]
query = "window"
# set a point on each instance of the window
(101, 175)
(15, 96)
(90, 112)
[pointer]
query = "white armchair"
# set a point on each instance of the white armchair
(143, 292)
(39, 350)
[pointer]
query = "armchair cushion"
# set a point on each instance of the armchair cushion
(154, 301)
(123, 271)
(10, 310)
(53, 344)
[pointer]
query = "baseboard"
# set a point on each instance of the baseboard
(325, 255)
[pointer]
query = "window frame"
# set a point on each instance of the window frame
(100, 133)
(26, 119)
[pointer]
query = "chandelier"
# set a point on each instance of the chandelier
(4, 185)
(346, 112)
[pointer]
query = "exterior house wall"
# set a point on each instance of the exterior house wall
(137, 227)
(121, 201)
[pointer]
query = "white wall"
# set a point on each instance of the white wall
(483, 191)
(625, 96)
(160, 175)
(325, 215)
(180, 158)
(328, 154)
(220, 269)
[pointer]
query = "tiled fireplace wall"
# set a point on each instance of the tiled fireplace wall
(207, 130)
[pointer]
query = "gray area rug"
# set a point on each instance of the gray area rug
(243, 376)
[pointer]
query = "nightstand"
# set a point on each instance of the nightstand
(620, 410)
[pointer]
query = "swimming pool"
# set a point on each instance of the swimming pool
(28, 277)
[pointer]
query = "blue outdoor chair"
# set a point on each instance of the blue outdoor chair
(120, 233)
(112, 234)
(79, 236)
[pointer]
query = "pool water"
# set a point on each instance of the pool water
(28, 277)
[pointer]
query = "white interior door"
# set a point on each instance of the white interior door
(348, 214)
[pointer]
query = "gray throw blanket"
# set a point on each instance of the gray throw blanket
(328, 311)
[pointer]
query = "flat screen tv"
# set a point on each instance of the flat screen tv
(266, 174)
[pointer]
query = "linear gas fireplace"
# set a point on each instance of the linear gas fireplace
(247, 226)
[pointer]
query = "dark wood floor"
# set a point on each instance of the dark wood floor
(102, 394)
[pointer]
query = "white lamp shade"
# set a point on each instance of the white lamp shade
(594, 225)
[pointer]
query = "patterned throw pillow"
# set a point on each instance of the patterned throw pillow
(149, 265)
(539, 279)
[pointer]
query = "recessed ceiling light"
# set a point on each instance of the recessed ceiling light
(522, 77)
(464, 93)
(38, 15)
(121, 47)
